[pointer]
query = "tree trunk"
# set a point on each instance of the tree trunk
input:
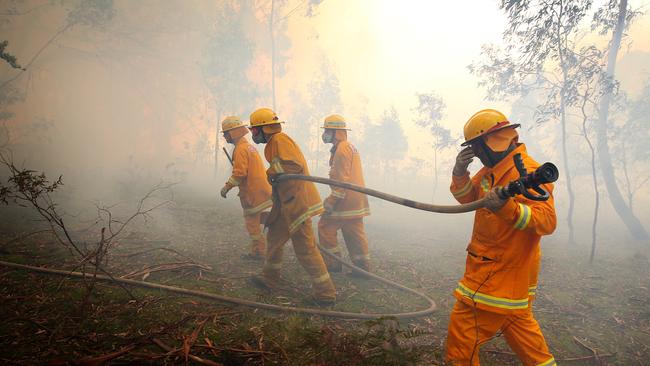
(594, 177)
(565, 156)
(567, 171)
(272, 53)
(607, 169)
(435, 173)
(217, 151)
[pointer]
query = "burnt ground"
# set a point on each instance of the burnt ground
(590, 313)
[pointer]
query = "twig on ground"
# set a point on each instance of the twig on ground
(238, 350)
(189, 342)
(165, 267)
(567, 359)
(100, 360)
(596, 356)
(172, 351)
(19, 238)
(153, 250)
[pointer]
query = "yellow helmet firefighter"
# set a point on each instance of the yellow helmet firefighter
(296, 202)
(344, 209)
(233, 128)
(335, 129)
(230, 123)
(506, 235)
(263, 123)
(485, 123)
(335, 122)
(248, 174)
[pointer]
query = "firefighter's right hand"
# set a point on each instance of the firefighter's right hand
(463, 159)
(224, 191)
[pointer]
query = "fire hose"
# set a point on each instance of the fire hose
(547, 173)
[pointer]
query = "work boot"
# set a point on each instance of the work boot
(262, 283)
(252, 257)
(363, 265)
(334, 267)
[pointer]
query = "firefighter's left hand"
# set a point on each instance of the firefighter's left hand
(272, 178)
(224, 191)
(328, 206)
(493, 201)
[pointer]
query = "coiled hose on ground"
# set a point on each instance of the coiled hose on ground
(322, 312)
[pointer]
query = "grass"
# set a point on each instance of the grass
(604, 304)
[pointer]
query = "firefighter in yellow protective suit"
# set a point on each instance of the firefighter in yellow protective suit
(503, 256)
(247, 174)
(344, 209)
(295, 202)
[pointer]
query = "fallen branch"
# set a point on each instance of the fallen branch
(584, 358)
(595, 355)
(189, 342)
(172, 351)
(19, 238)
(148, 242)
(153, 250)
(100, 360)
(567, 359)
(238, 350)
(165, 267)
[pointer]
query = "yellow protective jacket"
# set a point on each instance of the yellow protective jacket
(293, 201)
(345, 166)
(504, 253)
(248, 174)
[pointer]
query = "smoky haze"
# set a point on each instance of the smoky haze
(119, 95)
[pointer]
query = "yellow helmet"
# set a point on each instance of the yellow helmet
(263, 117)
(230, 123)
(335, 122)
(485, 122)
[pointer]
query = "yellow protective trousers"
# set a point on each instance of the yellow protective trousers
(521, 331)
(353, 234)
(254, 228)
(307, 254)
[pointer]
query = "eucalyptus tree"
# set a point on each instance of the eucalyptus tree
(538, 54)
(228, 56)
(586, 77)
(615, 16)
(630, 146)
(78, 13)
(430, 110)
(384, 143)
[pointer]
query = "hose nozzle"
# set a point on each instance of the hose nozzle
(546, 173)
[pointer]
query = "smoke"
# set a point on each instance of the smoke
(122, 95)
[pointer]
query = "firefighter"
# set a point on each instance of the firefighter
(344, 209)
(295, 202)
(254, 190)
(503, 256)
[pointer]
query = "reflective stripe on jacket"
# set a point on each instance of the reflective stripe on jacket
(248, 174)
(345, 166)
(503, 257)
(295, 200)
